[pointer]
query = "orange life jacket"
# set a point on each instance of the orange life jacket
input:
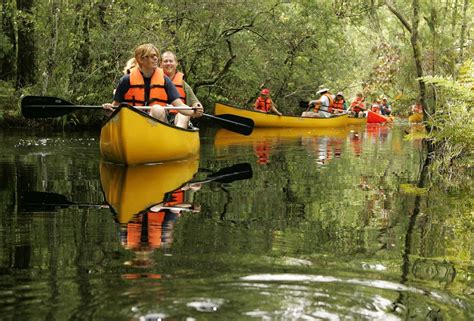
(331, 103)
(136, 93)
(263, 104)
(337, 105)
(357, 104)
(178, 81)
(177, 197)
(134, 231)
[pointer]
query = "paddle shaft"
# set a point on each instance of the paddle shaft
(100, 107)
(45, 107)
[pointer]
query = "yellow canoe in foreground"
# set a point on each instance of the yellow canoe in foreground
(271, 120)
(133, 137)
(132, 189)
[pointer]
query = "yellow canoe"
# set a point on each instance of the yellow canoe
(132, 189)
(415, 118)
(272, 120)
(132, 137)
(357, 121)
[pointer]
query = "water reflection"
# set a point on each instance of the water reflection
(323, 143)
(147, 200)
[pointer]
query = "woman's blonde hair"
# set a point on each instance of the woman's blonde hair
(146, 50)
(132, 62)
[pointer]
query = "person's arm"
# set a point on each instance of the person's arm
(191, 99)
(119, 94)
(274, 109)
(175, 100)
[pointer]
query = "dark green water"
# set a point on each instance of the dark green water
(325, 228)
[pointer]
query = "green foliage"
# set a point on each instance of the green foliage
(453, 133)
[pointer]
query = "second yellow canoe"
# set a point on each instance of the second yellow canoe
(271, 120)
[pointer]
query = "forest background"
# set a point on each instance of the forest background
(405, 50)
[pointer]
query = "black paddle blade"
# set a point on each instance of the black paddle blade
(232, 173)
(235, 126)
(45, 107)
(239, 119)
(42, 201)
(304, 104)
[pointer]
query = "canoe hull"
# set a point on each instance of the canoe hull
(356, 121)
(269, 120)
(132, 137)
(374, 118)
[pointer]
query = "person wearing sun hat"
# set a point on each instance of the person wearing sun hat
(322, 105)
(265, 104)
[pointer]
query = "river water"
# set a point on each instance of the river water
(280, 225)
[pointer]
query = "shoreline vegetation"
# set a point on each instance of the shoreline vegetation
(419, 52)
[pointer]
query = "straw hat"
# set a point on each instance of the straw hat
(322, 91)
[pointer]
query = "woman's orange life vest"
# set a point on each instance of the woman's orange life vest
(136, 93)
(337, 105)
(178, 81)
(331, 103)
(154, 228)
(263, 104)
(358, 104)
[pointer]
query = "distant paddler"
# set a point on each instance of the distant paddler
(265, 104)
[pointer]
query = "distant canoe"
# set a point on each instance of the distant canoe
(415, 118)
(374, 118)
(133, 137)
(271, 120)
(132, 189)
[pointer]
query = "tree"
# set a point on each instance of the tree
(26, 58)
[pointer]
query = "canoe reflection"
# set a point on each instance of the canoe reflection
(263, 140)
(130, 190)
(147, 200)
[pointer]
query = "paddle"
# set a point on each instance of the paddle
(48, 202)
(45, 107)
(229, 174)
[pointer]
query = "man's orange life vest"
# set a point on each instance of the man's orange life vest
(136, 93)
(263, 104)
(178, 81)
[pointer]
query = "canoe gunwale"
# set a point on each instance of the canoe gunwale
(145, 115)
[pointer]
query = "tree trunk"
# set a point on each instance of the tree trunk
(26, 62)
(463, 31)
(7, 67)
(417, 55)
(51, 60)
